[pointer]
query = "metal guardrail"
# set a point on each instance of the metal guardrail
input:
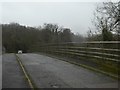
(105, 54)
(103, 42)
(102, 51)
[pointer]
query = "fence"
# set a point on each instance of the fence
(103, 55)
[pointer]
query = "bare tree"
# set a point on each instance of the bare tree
(107, 19)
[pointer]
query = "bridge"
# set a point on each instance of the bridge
(64, 65)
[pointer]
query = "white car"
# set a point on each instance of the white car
(19, 51)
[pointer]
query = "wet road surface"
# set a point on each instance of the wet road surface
(12, 75)
(47, 72)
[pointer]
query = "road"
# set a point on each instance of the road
(48, 72)
(12, 75)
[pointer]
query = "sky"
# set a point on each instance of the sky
(74, 15)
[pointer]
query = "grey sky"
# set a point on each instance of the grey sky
(75, 15)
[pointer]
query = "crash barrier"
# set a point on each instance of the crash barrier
(103, 55)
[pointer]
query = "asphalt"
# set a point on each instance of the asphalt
(12, 75)
(48, 72)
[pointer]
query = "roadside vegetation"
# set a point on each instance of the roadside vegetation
(106, 22)
(90, 50)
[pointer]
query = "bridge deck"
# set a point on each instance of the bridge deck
(49, 72)
(12, 75)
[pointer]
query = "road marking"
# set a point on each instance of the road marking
(25, 73)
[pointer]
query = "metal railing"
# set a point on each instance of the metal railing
(104, 55)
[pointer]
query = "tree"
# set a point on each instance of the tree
(50, 33)
(66, 35)
(107, 19)
(16, 36)
(77, 38)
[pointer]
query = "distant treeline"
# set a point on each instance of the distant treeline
(16, 36)
(106, 22)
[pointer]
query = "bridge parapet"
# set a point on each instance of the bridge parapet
(104, 55)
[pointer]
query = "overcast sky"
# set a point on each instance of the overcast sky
(75, 15)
